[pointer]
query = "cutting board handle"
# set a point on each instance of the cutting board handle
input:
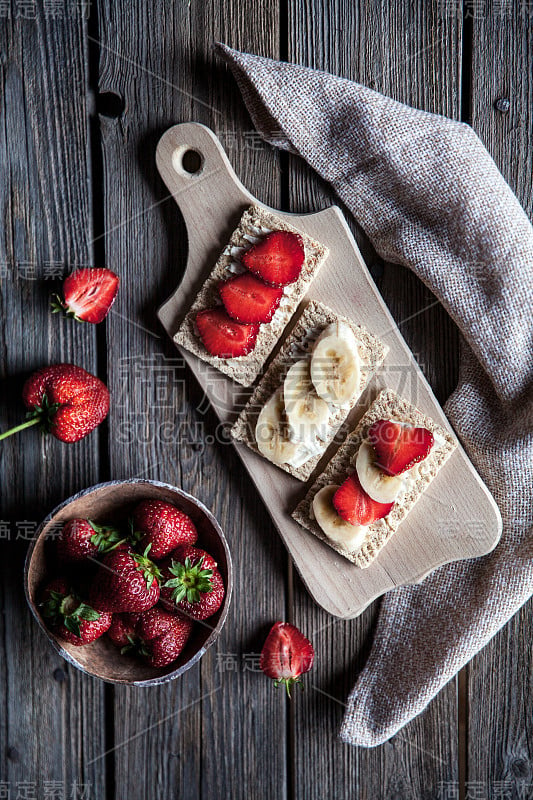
(211, 199)
(195, 168)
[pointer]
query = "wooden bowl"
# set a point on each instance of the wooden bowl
(112, 501)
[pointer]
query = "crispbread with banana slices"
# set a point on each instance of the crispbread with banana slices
(388, 405)
(299, 344)
(255, 223)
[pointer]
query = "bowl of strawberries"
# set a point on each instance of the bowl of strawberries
(130, 580)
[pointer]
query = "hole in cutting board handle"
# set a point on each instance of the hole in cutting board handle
(187, 161)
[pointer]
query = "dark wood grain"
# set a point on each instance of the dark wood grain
(211, 731)
(399, 49)
(221, 730)
(52, 717)
(500, 684)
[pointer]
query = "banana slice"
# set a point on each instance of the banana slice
(349, 537)
(271, 433)
(297, 382)
(307, 414)
(381, 487)
(335, 364)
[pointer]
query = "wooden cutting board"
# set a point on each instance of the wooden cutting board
(456, 518)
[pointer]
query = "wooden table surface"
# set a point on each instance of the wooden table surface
(87, 89)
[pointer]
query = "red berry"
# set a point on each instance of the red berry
(69, 617)
(277, 259)
(88, 294)
(286, 655)
(126, 581)
(398, 446)
(222, 336)
(122, 629)
(248, 299)
(81, 539)
(165, 649)
(162, 636)
(68, 401)
(163, 526)
(355, 506)
(192, 584)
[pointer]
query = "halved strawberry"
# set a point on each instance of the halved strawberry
(277, 259)
(222, 336)
(398, 446)
(286, 655)
(248, 299)
(355, 506)
(88, 294)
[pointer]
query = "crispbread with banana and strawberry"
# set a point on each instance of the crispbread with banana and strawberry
(250, 296)
(309, 389)
(375, 478)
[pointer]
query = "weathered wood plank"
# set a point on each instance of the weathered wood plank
(212, 730)
(500, 686)
(413, 55)
(52, 716)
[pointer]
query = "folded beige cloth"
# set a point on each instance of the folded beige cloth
(429, 196)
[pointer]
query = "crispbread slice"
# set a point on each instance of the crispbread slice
(388, 405)
(254, 223)
(298, 345)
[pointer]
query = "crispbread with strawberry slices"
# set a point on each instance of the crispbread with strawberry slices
(388, 405)
(312, 321)
(254, 223)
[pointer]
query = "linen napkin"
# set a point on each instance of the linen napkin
(429, 196)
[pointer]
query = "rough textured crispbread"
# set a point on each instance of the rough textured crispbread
(299, 344)
(388, 405)
(254, 223)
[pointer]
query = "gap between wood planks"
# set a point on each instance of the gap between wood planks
(467, 43)
(99, 259)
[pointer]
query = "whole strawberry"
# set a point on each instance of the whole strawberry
(192, 583)
(286, 655)
(122, 629)
(162, 636)
(69, 617)
(88, 294)
(64, 400)
(163, 526)
(81, 539)
(125, 581)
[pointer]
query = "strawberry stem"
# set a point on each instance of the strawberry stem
(43, 414)
(20, 427)
(288, 683)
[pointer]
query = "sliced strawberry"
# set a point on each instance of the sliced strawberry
(355, 506)
(277, 259)
(88, 294)
(399, 446)
(222, 336)
(286, 655)
(248, 299)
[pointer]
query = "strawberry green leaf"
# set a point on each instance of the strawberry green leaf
(106, 537)
(72, 624)
(150, 571)
(289, 683)
(189, 581)
(134, 645)
(57, 305)
(134, 536)
(87, 613)
(44, 413)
